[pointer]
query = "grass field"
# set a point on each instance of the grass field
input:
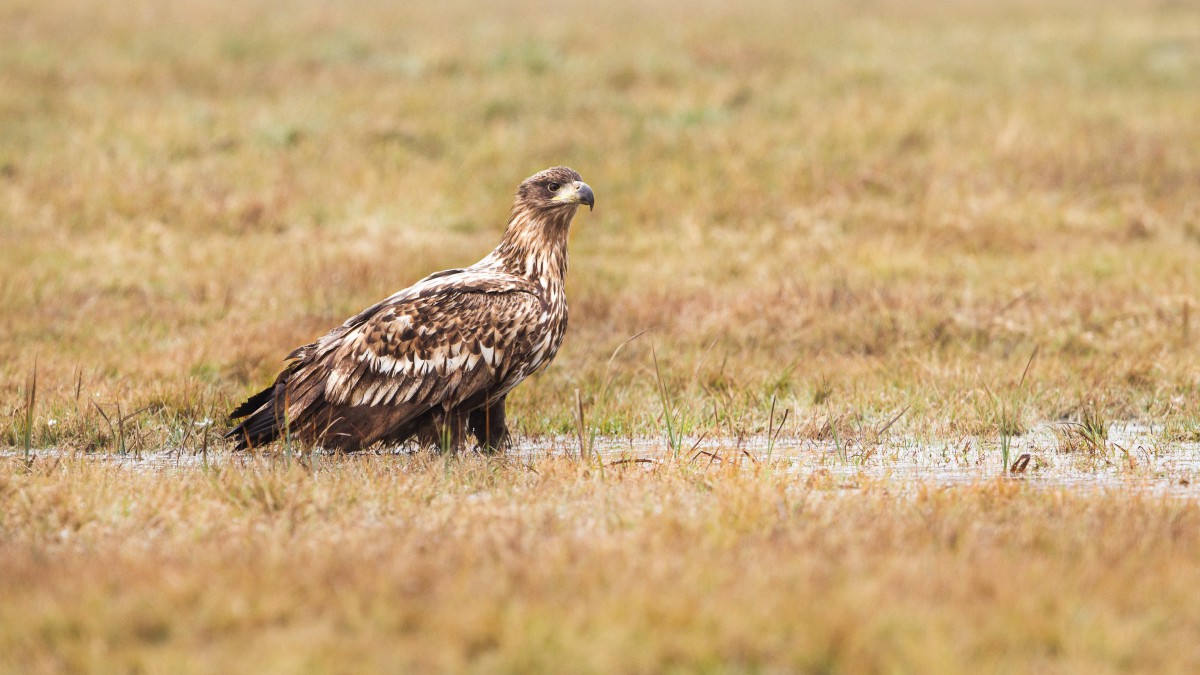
(939, 220)
(403, 564)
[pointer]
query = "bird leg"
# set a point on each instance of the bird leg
(442, 431)
(487, 425)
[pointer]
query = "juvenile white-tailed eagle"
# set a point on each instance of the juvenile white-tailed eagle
(437, 358)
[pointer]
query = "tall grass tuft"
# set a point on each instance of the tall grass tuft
(1088, 435)
(773, 431)
(599, 404)
(30, 404)
(580, 426)
(115, 431)
(1007, 414)
(674, 437)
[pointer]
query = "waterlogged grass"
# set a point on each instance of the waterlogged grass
(501, 566)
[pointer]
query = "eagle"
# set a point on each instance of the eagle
(436, 360)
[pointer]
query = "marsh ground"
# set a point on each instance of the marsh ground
(931, 221)
(417, 563)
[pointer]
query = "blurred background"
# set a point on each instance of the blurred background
(843, 209)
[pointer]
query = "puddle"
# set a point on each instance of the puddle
(1134, 457)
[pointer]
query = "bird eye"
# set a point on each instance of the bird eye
(553, 187)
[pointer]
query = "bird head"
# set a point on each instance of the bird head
(555, 189)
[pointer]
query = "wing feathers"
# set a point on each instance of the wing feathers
(439, 343)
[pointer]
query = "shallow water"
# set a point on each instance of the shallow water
(1134, 457)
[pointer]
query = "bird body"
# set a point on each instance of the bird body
(438, 358)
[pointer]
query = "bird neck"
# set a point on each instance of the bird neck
(534, 246)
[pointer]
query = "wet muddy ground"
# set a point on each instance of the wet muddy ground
(1051, 456)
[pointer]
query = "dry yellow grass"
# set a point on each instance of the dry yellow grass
(852, 209)
(401, 564)
(898, 204)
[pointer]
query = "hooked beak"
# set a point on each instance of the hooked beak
(578, 192)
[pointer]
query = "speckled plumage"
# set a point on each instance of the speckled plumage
(441, 355)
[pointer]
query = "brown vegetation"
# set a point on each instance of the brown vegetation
(394, 563)
(982, 215)
(893, 206)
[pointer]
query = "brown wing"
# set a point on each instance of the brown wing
(439, 347)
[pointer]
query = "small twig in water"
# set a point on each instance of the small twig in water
(1021, 464)
(892, 421)
(699, 441)
(635, 460)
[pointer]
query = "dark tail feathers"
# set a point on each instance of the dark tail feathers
(260, 426)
